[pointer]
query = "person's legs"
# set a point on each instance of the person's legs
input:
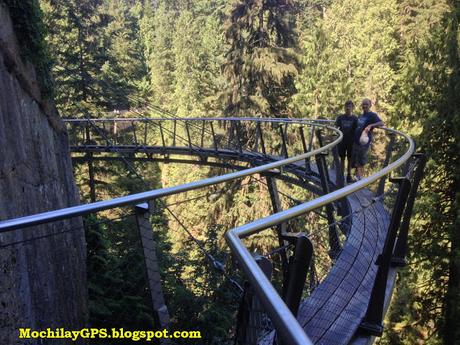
(360, 159)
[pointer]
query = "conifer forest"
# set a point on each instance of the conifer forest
(251, 58)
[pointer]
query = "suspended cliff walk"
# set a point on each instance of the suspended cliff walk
(339, 267)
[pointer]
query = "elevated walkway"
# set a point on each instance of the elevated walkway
(335, 309)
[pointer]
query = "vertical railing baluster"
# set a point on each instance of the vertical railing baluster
(372, 322)
(202, 134)
(339, 173)
(388, 154)
(310, 141)
(305, 150)
(214, 139)
(91, 172)
(400, 251)
(284, 152)
(239, 136)
(281, 228)
(297, 272)
(115, 132)
(334, 243)
(162, 135)
(107, 143)
(134, 133)
(188, 135)
(261, 136)
(174, 133)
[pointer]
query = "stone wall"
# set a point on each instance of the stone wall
(42, 281)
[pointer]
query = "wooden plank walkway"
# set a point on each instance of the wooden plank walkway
(334, 310)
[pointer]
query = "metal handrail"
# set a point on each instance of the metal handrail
(285, 322)
(254, 119)
(134, 199)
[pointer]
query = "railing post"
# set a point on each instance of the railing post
(339, 173)
(174, 133)
(283, 142)
(298, 267)
(400, 251)
(388, 155)
(202, 133)
(145, 132)
(230, 134)
(188, 136)
(334, 242)
(106, 132)
(151, 262)
(162, 135)
(134, 133)
(89, 157)
(87, 135)
(239, 136)
(305, 150)
(214, 140)
(281, 228)
(319, 136)
(321, 142)
(115, 132)
(262, 143)
(250, 317)
(372, 322)
(311, 137)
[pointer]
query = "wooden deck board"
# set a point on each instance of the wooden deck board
(334, 310)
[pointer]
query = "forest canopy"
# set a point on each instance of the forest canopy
(279, 58)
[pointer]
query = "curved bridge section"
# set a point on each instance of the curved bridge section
(365, 223)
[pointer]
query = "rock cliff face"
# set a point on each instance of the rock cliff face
(42, 281)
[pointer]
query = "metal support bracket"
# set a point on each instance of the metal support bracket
(142, 213)
(400, 250)
(334, 242)
(296, 276)
(372, 322)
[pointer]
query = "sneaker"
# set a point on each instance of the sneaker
(350, 179)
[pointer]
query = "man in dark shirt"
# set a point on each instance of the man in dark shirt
(347, 124)
(367, 121)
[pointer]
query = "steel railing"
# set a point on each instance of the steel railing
(284, 321)
(134, 199)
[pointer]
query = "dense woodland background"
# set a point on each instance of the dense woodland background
(264, 58)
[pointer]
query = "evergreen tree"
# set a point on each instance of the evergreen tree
(157, 26)
(261, 61)
(74, 37)
(348, 54)
(124, 71)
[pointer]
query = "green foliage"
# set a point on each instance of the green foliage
(30, 31)
(261, 61)
(98, 55)
(348, 54)
(124, 70)
(183, 46)
(195, 57)
(118, 296)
